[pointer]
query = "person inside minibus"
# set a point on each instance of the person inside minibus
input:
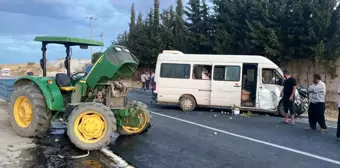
(205, 74)
(202, 72)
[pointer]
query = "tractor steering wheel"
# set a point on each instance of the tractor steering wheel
(77, 76)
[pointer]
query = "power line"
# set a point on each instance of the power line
(91, 18)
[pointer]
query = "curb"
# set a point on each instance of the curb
(121, 163)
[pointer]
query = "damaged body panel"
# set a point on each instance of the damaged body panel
(269, 97)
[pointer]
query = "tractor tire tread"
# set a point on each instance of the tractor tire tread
(144, 107)
(110, 120)
(41, 114)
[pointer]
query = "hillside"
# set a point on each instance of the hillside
(53, 67)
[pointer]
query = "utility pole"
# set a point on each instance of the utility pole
(101, 38)
(91, 25)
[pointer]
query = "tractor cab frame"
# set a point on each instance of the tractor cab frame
(68, 42)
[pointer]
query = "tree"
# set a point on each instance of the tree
(143, 30)
(194, 20)
(179, 30)
(140, 20)
(280, 30)
(132, 17)
(223, 25)
(156, 41)
(132, 33)
(166, 28)
(122, 39)
(95, 56)
(156, 16)
(199, 27)
(206, 29)
(263, 27)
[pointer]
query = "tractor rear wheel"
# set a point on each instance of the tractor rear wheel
(144, 117)
(91, 126)
(28, 114)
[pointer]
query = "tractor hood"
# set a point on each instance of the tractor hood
(116, 62)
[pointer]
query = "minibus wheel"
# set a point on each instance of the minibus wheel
(187, 103)
(280, 111)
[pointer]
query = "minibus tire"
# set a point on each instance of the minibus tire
(280, 111)
(187, 99)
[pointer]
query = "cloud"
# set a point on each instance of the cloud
(19, 43)
(23, 20)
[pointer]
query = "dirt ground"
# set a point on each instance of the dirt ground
(11, 144)
(22, 69)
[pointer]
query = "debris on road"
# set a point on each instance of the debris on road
(75, 157)
(248, 114)
(17, 147)
(48, 153)
(118, 160)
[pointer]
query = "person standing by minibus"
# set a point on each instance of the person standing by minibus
(147, 81)
(289, 89)
(316, 111)
(152, 81)
(143, 80)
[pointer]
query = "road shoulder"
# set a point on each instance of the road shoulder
(11, 145)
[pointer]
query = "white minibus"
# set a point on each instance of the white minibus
(248, 82)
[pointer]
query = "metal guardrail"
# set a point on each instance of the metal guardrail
(6, 88)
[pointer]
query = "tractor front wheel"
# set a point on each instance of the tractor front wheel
(91, 126)
(144, 118)
(28, 114)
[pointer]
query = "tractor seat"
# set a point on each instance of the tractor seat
(67, 88)
(64, 82)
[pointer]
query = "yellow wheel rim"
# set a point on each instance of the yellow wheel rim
(143, 118)
(23, 111)
(90, 127)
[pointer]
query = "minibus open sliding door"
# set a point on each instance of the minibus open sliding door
(226, 84)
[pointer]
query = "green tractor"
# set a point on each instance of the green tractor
(94, 105)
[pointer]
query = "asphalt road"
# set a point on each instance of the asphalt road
(208, 139)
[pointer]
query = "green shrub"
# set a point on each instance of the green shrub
(30, 63)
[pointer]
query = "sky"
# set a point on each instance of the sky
(22, 20)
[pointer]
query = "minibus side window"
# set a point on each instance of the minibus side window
(178, 71)
(226, 73)
(271, 76)
(201, 72)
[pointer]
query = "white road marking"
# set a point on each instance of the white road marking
(252, 139)
(330, 126)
